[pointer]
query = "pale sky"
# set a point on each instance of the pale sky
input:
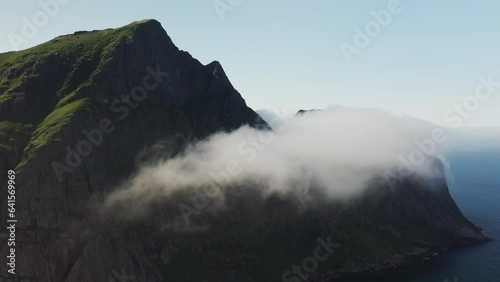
(285, 54)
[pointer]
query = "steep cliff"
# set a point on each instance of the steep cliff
(76, 114)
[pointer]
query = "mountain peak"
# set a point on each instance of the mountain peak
(146, 21)
(147, 24)
(49, 86)
(82, 113)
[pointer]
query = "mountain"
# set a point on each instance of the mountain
(80, 113)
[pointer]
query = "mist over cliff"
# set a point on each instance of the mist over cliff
(336, 153)
(218, 193)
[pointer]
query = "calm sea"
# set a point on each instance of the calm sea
(474, 181)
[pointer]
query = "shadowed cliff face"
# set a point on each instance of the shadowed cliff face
(79, 112)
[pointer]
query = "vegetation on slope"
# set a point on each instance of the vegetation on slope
(27, 82)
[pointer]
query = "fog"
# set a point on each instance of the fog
(338, 150)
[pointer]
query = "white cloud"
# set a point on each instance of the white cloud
(338, 150)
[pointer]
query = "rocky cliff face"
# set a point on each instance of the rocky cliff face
(76, 114)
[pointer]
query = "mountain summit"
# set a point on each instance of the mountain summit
(80, 113)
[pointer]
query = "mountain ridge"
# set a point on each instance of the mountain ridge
(50, 94)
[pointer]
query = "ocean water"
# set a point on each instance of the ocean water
(474, 182)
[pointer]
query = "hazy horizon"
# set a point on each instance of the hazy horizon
(293, 54)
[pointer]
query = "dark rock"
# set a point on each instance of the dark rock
(77, 82)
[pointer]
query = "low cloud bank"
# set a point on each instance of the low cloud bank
(338, 151)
